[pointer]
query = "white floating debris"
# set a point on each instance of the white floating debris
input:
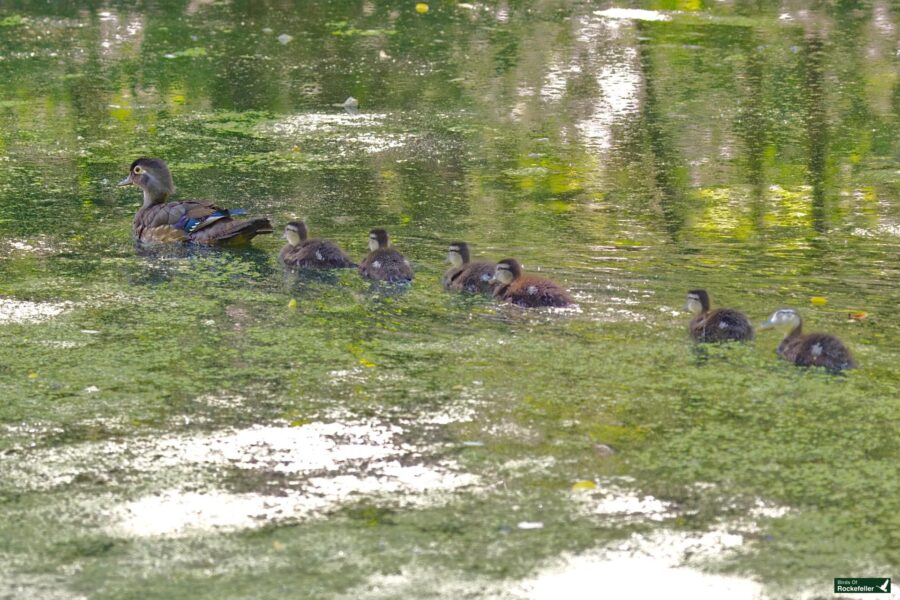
(305, 471)
(91, 389)
(530, 525)
(351, 102)
(636, 14)
(24, 311)
(285, 38)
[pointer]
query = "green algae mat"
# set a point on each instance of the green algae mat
(195, 423)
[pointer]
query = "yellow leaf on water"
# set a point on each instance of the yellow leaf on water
(586, 484)
(819, 300)
(366, 363)
(32, 376)
(292, 304)
(421, 8)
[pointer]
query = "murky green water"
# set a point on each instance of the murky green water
(170, 427)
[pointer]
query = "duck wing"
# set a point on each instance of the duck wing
(196, 221)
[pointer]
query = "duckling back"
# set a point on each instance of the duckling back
(816, 350)
(532, 292)
(317, 254)
(721, 325)
(386, 264)
(473, 277)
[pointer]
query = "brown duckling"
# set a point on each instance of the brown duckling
(302, 252)
(383, 263)
(808, 349)
(719, 325)
(186, 220)
(527, 291)
(465, 276)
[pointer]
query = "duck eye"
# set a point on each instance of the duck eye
(138, 170)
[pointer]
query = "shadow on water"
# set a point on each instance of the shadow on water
(668, 166)
(816, 119)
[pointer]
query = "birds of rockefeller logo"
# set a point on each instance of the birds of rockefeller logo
(862, 585)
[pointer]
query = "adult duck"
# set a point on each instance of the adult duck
(194, 221)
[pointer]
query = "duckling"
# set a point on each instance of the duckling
(306, 253)
(186, 220)
(527, 290)
(810, 349)
(467, 276)
(383, 263)
(719, 325)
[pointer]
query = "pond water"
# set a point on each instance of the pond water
(173, 426)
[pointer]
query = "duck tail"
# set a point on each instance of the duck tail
(241, 232)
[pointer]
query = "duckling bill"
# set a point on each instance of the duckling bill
(187, 220)
(527, 291)
(304, 253)
(466, 276)
(810, 349)
(718, 325)
(383, 263)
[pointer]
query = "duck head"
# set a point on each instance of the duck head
(458, 254)
(295, 232)
(378, 238)
(697, 302)
(507, 271)
(151, 175)
(782, 318)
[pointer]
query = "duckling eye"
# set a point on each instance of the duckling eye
(138, 170)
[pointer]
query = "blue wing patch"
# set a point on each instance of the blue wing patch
(189, 225)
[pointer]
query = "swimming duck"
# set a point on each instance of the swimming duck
(383, 263)
(186, 220)
(302, 252)
(526, 290)
(810, 349)
(467, 276)
(719, 325)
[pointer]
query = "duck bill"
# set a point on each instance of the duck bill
(127, 181)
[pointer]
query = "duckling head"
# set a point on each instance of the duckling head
(507, 271)
(785, 317)
(295, 232)
(458, 254)
(697, 302)
(151, 175)
(378, 238)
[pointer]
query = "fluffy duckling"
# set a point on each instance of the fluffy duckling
(527, 291)
(185, 220)
(465, 276)
(810, 349)
(383, 263)
(302, 252)
(719, 325)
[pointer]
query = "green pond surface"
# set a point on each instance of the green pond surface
(190, 423)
